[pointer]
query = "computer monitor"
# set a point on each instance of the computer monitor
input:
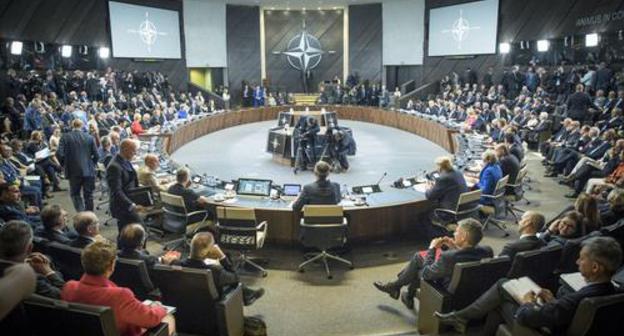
(292, 189)
(254, 187)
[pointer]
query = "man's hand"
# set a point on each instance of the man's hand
(529, 297)
(554, 227)
(170, 257)
(140, 208)
(546, 295)
(31, 210)
(40, 263)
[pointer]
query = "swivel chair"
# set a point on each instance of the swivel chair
(515, 193)
(497, 208)
(240, 231)
(467, 206)
(323, 227)
(177, 219)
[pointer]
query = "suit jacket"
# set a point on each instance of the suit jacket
(147, 178)
(78, 153)
(527, 243)
(223, 275)
(510, 166)
(50, 286)
(130, 314)
(447, 189)
(54, 236)
(121, 177)
(441, 270)
(557, 315)
(81, 242)
(578, 103)
(133, 254)
(319, 192)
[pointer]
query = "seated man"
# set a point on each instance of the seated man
(16, 246)
(445, 191)
(12, 175)
(598, 261)
(87, 226)
(463, 247)
(192, 200)
(205, 254)
(147, 174)
(509, 164)
(95, 288)
(12, 208)
(131, 246)
(323, 191)
(528, 226)
(54, 226)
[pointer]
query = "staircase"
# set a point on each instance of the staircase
(304, 99)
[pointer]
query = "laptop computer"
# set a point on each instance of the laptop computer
(291, 191)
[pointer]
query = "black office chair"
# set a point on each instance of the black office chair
(467, 206)
(67, 259)
(133, 274)
(539, 265)
(240, 231)
(615, 231)
(323, 227)
(177, 218)
(571, 251)
(515, 194)
(469, 281)
(200, 309)
(495, 211)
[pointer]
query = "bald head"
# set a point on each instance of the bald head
(128, 148)
(151, 161)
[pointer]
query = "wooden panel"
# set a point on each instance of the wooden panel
(243, 47)
(365, 41)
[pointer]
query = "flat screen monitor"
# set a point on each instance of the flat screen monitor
(466, 29)
(144, 32)
(254, 187)
(292, 189)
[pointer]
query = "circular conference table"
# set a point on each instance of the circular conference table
(389, 214)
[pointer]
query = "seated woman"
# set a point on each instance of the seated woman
(568, 227)
(587, 206)
(136, 127)
(488, 177)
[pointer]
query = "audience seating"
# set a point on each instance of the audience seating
(200, 311)
(177, 219)
(467, 206)
(49, 316)
(240, 231)
(469, 281)
(616, 231)
(323, 227)
(67, 259)
(496, 210)
(133, 274)
(516, 194)
(539, 265)
(603, 315)
(40, 245)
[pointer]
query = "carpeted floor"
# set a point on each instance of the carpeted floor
(309, 304)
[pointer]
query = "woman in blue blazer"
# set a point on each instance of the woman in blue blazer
(489, 176)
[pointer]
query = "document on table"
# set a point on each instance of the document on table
(574, 280)
(517, 288)
(421, 187)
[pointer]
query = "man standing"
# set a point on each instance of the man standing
(78, 153)
(121, 178)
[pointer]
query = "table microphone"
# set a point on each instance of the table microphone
(382, 177)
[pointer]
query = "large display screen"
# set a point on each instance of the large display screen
(466, 29)
(144, 32)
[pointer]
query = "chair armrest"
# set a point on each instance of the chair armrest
(302, 224)
(262, 226)
(432, 299)
(160, 330)
(493, 196)
(440, 210)
(230, 313)
(197, 213)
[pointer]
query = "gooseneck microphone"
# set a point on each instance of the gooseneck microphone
(382, 177)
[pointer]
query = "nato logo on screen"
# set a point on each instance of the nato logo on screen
(466, 29)
(144, 32)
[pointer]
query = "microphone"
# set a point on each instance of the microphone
(382, 177)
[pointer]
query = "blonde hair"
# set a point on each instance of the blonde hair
(444, 163)
(489, 156)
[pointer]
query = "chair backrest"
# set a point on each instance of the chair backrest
(67, 259)
(616, 231)
(521, 175)
(599, 315)
(323, 214)
(40, 245)
(175, 213)
(473, 278)
(58, 317)
(237, 228)
(468, 202)
(571, 251)
(193, 293)
(500, 186)
(133, 274)
(539, 265)
(323, 227)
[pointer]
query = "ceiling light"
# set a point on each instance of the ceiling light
(542, 45)
(104, 52)
(16, 47)
(504, 48)
(591, 40)
(66, 51)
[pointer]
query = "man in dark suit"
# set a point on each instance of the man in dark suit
(604, 75)
(54, 226)
(528, 226)
(462, 248)
(205, 254)
(509, 165)
(598, 261)
(578, 104)
(87, 226)
(78, 153)
(122, 178)
(322, 191)
(131, 246)
(445, 191)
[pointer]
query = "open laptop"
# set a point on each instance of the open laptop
(291, 191)
(254, 187)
